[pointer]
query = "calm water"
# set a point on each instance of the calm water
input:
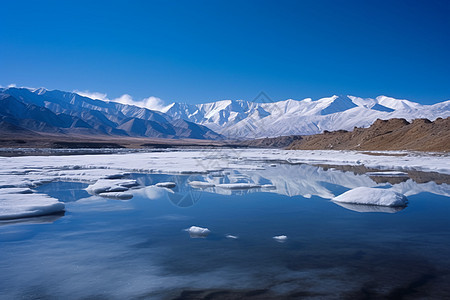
(113, 249)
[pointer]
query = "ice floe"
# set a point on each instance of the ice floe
(22, 205)
(280, 238)
(198, 232)
(110, 185)
(372, 196)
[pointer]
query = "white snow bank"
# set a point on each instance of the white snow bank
(238, 186)
(166, 184)
(201, 184)
(13, 206)
(280, 238)
(110, 185)
(372, 196)
(198, 232)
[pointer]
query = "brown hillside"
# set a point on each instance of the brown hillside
(276, 142)
(393, 134)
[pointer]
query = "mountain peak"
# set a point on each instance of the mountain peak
(39, 91)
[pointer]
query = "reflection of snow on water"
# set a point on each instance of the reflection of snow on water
(140, 243)
(245, 171)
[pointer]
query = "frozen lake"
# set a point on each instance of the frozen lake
(103, 248)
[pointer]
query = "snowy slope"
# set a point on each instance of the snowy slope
(235, 119)
(243, 119)
(42, 110)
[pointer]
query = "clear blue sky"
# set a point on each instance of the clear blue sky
(198, 51)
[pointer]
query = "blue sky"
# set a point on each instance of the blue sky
(199, 51)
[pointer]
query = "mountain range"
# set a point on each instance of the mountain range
(246, 120)
(41, 110)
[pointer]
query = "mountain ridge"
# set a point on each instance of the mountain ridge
(392, 134)
(228, 119)
(40, 110)
(243, 119)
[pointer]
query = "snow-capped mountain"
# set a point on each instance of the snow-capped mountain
(243, 119)
(40, 110)
(67, 112)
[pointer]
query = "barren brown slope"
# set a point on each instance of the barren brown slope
(275, 142)
(393, 134)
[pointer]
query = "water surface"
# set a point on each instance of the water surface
(113, 249)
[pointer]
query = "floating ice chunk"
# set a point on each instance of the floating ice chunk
(116, 195)
(14, 206)
(198, 232)
(280, 238)
(166, 184)
(230, 236)
(201, 184)
(238, 186)
(371, 208)
(390, 174)
(372, 196)
(107, 185)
